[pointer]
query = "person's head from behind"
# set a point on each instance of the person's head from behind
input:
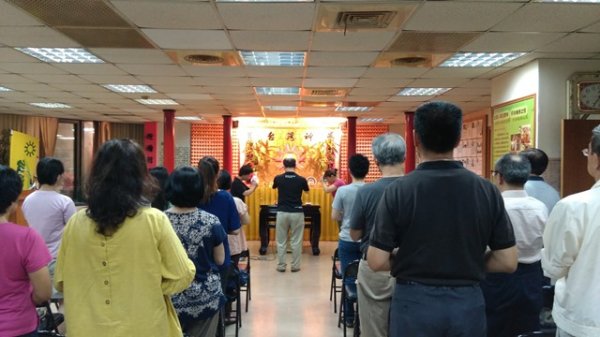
(330, 175)
(289, 163)
(538, 160)
(389, 149)
(224, 180)
(161, 175)
(245, 172)
(10, 188)
(208, 167)
(437, 127)
(185, 187)
(49, 171)
(512, 170)
(358, 166)
(593, 156)
(118, 185)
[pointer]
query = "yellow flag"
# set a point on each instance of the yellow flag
(24, 155)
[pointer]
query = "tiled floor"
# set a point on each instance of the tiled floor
(290, 304)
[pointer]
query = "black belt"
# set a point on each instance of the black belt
(414, 283)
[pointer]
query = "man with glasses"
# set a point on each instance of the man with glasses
(571, 254)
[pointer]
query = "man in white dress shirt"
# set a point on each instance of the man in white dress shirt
(571, 254)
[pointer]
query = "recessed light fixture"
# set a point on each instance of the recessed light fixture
(51, 105)
(422, 91)
(371, 120)
(5, 89)
(188, 118)
(157, 101)
(280, 108)
(61, 55)
(277, 90)
(129, 88)
(480, 59)
(273, 58)
(353, 108)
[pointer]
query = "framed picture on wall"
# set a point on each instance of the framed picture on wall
(513, 127)
(471, 149)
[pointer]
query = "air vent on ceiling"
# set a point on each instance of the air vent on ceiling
(409, 61)
(203, 59)
(324, 92)
(364, 19)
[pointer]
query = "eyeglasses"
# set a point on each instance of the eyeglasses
(585, 152)
(496, 173)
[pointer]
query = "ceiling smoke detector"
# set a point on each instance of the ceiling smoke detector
(203, 59)
(409, 61)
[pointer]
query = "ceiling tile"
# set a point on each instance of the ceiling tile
(189, 96)
(595, 28)
(79, 87)
(34, 37)
(351, 41)
(431, 42)
(13, 78)
(510, 42)
(223, 81)
(112, 79)
(477, 83)
(137, 56)
(366, 98)
(276, 82)
(335, 72)
(447, 16)
(170, 14)
(382, 82)
(576, 43)
(166, 80)
(216, 71)
(30, 88)
(230, 90)
(12, 55)
(373, 91)
(31, 68)
(329, 82)
(256, 71)
(14, 16)
(178, 88)
(455, 72)
(542, 17)
(341, 59)
(396, 72)
(189, 39)
(56, 79)
(437, 82)
(90, 69)
(151, 70)
(267, 16)
(270, 40)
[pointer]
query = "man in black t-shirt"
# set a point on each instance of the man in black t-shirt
(290, 216)
(440, 218)
(239, 188)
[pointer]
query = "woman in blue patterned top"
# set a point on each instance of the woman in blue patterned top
(202, 237)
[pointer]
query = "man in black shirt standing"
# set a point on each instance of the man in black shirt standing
(239, 188)
(290, 216)
(440, 218)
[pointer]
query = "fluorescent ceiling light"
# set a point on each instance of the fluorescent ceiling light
(277, 90)
(480, 59)
(51, 105)
(353, 108)
(371, 120)
(157, 101)
(5, 89)
(61, 55)
(188, 118)
(280, 108)
(129, 88)
(273, 58)
(422, 91)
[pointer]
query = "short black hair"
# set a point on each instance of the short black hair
(359, 166)
(48, 169)
(289, 163)
(514, 168)
(538, 160)
(245, 169)
(185, 187)
(224, 180)
(438, 126)
(161, 175)
(10, 187)
(330, 173)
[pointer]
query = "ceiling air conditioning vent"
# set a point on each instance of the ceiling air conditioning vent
(324, 92)
(409, 61)
(203, 59)
(364, 19)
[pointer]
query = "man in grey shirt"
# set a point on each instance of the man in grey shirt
(536, 186)
(375, 289)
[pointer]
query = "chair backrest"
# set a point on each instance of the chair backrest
(351, 270)
(246, 265)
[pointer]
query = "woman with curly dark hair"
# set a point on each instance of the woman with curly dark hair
(120, 260)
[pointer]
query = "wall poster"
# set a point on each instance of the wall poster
(24, 155)
(470, 150)
(513, 127)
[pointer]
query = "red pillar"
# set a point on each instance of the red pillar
(409, 118)
(169, 139)
(227, 148)
(351, 137)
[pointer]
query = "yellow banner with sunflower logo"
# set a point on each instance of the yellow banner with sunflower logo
(24, 155)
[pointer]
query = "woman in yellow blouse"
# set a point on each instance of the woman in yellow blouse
(120, 260)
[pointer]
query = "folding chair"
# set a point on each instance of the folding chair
(245, 279)
(49, 321)
(349, 293)
(336, 275)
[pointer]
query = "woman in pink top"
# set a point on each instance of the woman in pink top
(331, 182)
(24, 258)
